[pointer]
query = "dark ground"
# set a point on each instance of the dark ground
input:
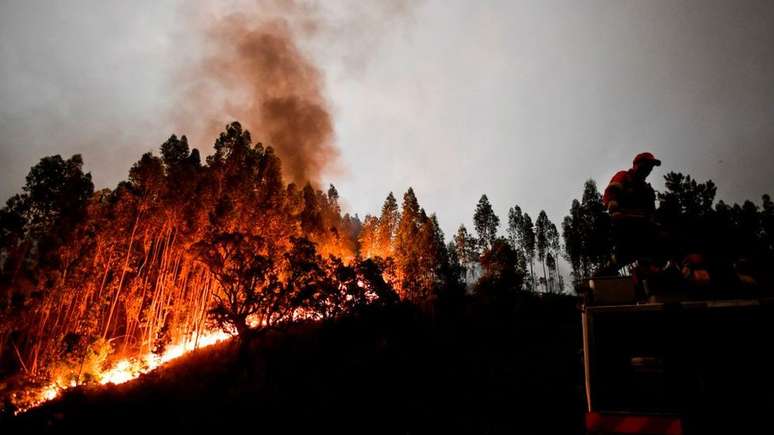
(484, 369)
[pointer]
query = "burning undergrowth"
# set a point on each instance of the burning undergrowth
(101, 287)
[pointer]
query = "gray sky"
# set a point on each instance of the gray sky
(522, 100)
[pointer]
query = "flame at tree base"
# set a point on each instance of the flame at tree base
(128, 369)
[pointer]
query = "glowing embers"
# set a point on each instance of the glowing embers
(123, 371)
(51, 392)
(127, 369)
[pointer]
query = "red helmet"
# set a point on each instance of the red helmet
(647, 158)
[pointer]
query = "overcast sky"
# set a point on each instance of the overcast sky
(521, 100)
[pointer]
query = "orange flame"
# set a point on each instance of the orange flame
(128, 369)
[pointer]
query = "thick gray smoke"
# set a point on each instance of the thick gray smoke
(255, 64)
(254, 72)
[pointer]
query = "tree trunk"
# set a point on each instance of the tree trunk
(123, 274)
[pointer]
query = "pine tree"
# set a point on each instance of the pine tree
(430, 251)
(515, 225)
(368, 237)
(388, 225)
(528, 237)
(521, 236)
(573, 239)
(552, 271)
(333, 200)
(485, 222)
(596, 227)
(541, 241)
(405, 249)
(466, 249)
(586, 232)
(554, 248)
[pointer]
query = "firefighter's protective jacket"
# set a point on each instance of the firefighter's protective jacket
(630, 194)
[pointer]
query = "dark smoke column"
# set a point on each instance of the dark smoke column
(254, 73)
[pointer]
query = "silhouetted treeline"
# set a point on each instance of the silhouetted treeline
(734, 242)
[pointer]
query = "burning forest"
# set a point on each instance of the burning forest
(101, 286)
(227, 281)
(104, 285)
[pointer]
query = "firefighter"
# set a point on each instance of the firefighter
(631, 202)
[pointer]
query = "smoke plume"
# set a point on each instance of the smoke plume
(254, 72)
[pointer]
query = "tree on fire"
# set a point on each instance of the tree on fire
(34, 223)
(39, 234)
(245, 275)
(388, 225)
(131, 269)
(421, 259)
(326, 288)
(377, 238)
(136, 265)
(367, 239)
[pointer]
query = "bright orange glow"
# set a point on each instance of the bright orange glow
(127, 369)
(131, 368)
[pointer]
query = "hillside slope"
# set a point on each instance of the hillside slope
(473, 368)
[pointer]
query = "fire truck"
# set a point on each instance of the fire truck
(686, 361)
